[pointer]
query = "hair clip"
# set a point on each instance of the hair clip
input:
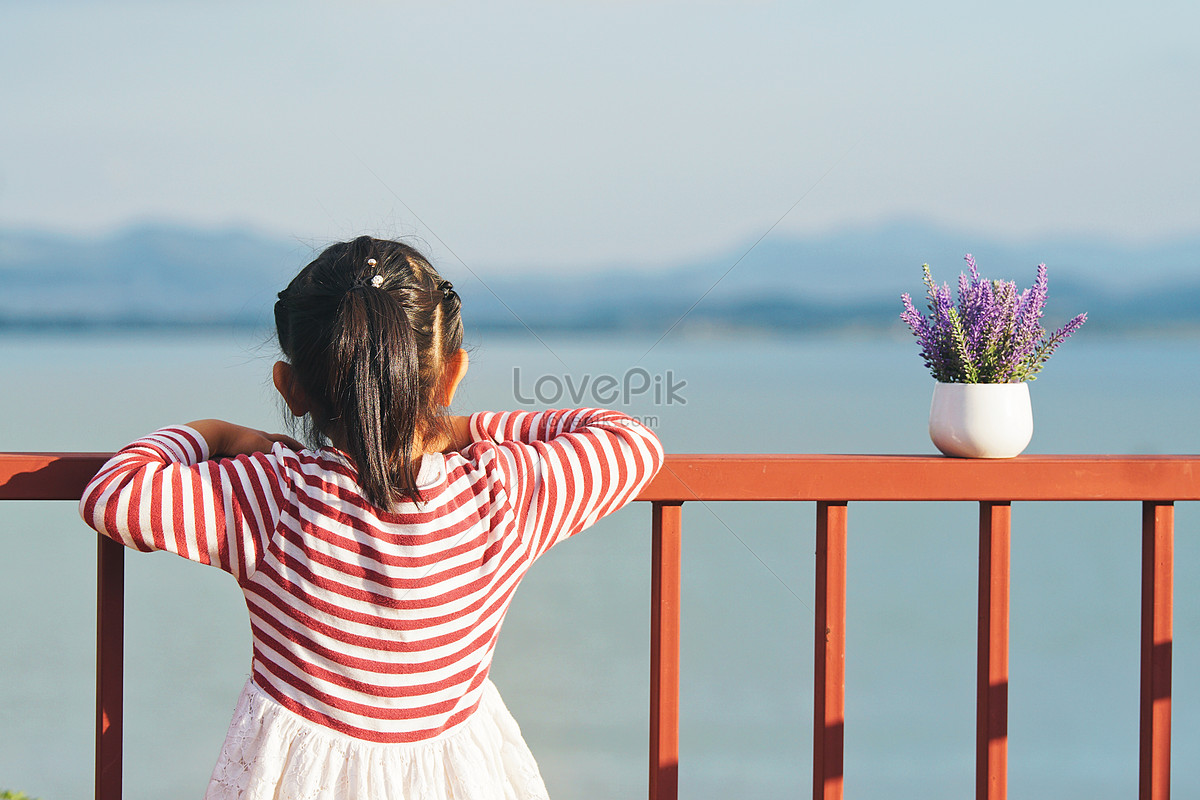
(371, 262)
(377, 281)
(446, 288)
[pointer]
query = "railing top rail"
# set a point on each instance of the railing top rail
(47, 476)
(62, 476)
(899, 477)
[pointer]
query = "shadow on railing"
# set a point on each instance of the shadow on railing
(832, 482)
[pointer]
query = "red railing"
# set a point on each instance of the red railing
(832, 482)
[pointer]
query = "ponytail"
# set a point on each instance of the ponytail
(375, 382)
(367, 327)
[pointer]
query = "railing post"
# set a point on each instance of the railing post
(1158, 559)
(991, 739)
(110, 646)
(829, 706)
(664, 650)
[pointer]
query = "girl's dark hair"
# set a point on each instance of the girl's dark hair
(367, 328)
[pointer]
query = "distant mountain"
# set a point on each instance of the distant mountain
(168, 276)
(854, 279)
(153, 275)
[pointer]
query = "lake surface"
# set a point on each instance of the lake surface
(573, 659)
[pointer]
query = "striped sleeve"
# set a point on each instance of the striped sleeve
(564, 469)
(162, 493)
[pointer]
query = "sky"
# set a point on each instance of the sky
(577, 134)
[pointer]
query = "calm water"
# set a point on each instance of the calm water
(573, 659)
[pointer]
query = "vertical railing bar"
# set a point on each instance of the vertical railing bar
(829, 679)
(1158, 559)
(991, 740)
(110, 656)
(667, 519)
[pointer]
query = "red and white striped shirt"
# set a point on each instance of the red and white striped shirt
(378, 624)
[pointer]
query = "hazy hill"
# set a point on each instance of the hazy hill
(179, 276)
(145, 275)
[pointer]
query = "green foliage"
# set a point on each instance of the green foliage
(9, 794)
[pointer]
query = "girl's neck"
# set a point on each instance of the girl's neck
(438, 444)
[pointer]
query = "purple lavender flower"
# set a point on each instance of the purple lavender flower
(993, 335)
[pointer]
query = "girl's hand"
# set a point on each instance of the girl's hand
(228, 440)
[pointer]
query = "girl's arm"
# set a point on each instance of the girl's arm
(565, 469)
(227, 440)
(163, 493)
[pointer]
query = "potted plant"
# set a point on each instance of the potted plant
(982, 353)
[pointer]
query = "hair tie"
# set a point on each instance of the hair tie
(446, 288)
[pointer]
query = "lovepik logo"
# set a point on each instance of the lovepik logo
(601, 390)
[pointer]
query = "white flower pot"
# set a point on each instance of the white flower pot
(981, 420)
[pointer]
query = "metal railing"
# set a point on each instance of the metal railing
(832, 482)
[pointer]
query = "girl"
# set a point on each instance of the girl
(378, 564)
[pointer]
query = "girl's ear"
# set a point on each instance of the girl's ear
(452, 374)
(289, 389)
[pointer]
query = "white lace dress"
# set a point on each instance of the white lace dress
(272, 754)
